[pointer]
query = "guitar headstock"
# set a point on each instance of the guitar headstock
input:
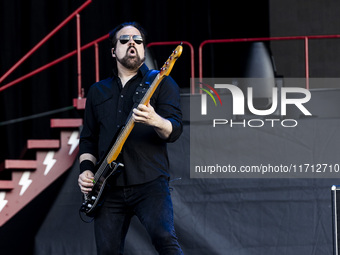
(168, 65)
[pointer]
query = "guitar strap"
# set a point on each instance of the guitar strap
(143, 87)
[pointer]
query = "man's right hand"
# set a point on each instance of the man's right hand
(85, 181)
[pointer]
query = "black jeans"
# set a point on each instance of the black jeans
(151, 203)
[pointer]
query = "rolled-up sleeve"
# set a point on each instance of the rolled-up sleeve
(169, 107)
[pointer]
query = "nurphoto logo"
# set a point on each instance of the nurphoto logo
(239, 106)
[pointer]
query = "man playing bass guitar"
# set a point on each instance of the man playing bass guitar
(141, 187)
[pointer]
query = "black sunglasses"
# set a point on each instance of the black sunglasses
(125, 38)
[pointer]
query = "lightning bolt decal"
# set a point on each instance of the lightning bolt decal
(3, 202)
(49, 162)
(25, 182)
(73, 141)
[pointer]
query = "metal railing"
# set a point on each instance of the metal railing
(305, 38)
(39, 44)
(94, 43)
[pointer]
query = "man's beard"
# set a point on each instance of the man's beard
(131, 62)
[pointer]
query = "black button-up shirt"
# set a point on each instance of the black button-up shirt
(108, 106)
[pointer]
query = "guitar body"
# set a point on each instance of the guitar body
(93, 199)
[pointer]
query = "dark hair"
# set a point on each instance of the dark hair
(112, 35)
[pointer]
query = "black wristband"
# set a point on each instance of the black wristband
(86, 165)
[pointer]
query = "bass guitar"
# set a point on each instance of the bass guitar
(110, 163)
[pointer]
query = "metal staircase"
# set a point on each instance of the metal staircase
(52, 157)
(31, 177)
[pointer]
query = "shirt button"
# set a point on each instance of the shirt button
(121, 96)
(119, 111)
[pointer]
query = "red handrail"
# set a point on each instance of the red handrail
(70, 54)
(307, 62)
(305, 38)
(47, 37)
(80, 94)
(96, 59)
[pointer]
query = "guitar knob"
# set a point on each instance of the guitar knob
(89, 205)
(93, 198)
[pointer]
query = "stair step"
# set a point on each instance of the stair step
(20, 164)
(66, 123)
(6, 185)
(43, 144)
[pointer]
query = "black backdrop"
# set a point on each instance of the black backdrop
(277, 206)
(25, 23)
